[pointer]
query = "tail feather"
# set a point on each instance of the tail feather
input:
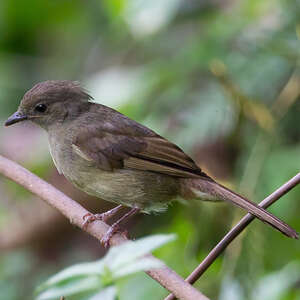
(218, 191)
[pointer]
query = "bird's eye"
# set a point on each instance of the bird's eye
(40, 108)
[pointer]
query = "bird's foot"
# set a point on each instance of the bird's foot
(89, 217)
(108, 214)
(115, 228)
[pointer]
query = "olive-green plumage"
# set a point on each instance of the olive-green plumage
(108, 155)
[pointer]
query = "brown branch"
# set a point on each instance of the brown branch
(74, 212)
(236, 230)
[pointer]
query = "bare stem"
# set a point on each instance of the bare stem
(74, 212)
(236, 230)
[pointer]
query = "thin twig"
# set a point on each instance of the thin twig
(287, 97)
(74, 212)
(236, 230)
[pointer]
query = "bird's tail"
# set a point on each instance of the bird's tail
(211, 190)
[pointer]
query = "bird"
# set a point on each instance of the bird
(108, 155)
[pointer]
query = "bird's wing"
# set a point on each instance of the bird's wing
(115, 149)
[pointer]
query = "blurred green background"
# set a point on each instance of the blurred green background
(219, 78)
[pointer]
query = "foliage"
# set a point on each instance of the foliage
(99, 277)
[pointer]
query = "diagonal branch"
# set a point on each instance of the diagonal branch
(74, 212)
(236, 230)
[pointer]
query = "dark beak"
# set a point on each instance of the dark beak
(15, 118)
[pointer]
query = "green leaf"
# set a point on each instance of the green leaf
(143, 264)
(110, 293)
(84, 269)
(120, 261)
(274, 286)
(71, 288)
(122, 255)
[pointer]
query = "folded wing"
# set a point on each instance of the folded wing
(113, 150)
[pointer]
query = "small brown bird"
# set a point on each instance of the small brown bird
(110, 156)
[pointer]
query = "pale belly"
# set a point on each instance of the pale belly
(146, 190)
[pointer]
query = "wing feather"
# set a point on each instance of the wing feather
(151, 152)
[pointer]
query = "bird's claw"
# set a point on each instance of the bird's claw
(105, 241)
(90, 218)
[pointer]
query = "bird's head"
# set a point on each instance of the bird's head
(50, 102)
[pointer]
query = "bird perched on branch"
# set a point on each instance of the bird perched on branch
(110, 156)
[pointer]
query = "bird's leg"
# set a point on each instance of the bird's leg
(89, 218)
(115, 227)
(108, 214)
